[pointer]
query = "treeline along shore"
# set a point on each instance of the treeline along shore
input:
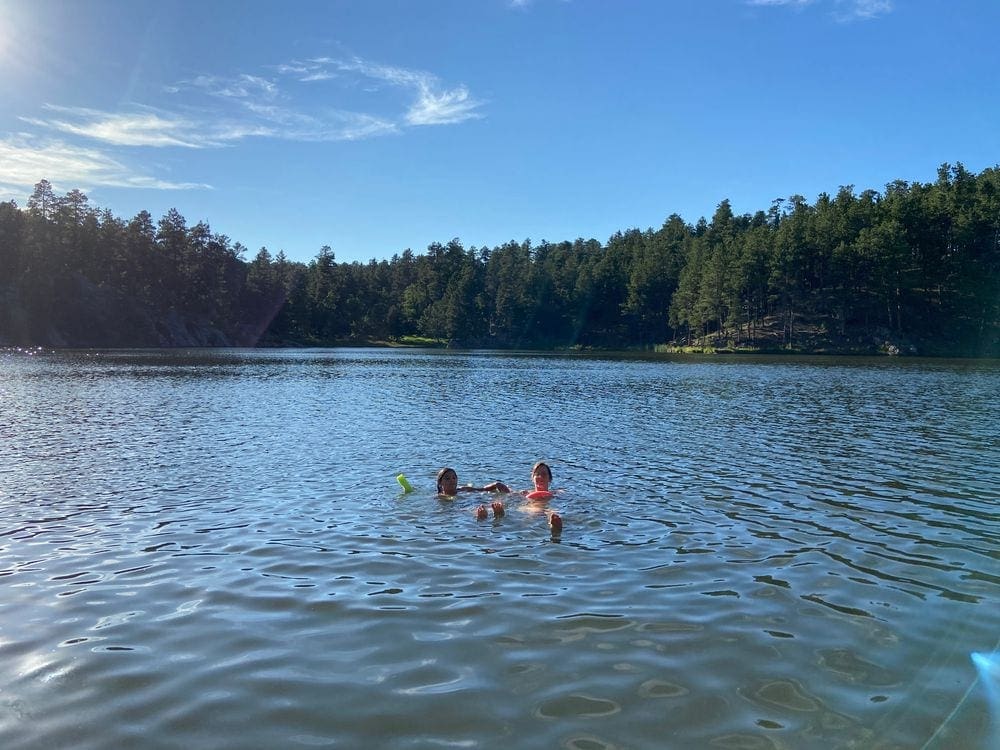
(914, 269)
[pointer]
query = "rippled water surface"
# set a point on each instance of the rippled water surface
(209, 549)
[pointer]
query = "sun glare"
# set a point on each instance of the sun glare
(12, 27)
(6, 34)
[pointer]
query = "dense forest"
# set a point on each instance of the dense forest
(913, 269)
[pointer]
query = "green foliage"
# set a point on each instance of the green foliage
(914, 268)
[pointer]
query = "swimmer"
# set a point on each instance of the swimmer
(447, 486)
(541, 478)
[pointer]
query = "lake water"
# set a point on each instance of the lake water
(209, 549)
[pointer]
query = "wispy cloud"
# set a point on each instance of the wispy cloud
(268, 111)
(24, 159)
(427, 101)
(862, 10)
(244, 86)
(142, 127)
(210, 111)
(332, 125)
(255, 106)
(432, 103)
(307, 71)
(442, 107)
(844, 10)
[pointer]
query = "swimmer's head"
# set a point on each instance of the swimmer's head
(447, 481)
(541, 472)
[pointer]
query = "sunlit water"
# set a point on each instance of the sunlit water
(209, 549)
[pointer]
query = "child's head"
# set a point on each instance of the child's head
(541, 473)
(447, 481)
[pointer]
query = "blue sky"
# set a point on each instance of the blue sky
(378, 125)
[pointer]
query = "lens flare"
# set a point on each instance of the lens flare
(988, 666)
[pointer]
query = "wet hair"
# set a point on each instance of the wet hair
(441, 474)
(539, 465)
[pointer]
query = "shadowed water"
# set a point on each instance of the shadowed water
(209, 549)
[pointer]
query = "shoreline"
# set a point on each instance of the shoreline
(667, 350)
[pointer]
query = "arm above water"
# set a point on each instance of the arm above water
(491, 487)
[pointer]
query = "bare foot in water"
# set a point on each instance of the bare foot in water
(481, 513)
(498, 509)
(555, 521)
